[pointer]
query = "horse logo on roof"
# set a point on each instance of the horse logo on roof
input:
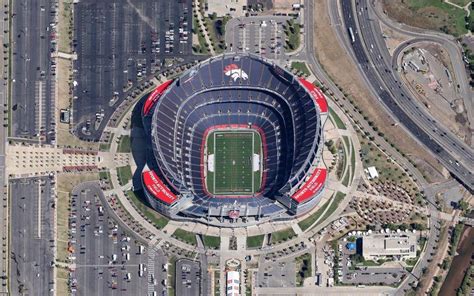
(235, 72)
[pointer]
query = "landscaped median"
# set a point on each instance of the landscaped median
(321, 214)
(336, 119)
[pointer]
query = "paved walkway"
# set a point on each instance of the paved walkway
(28, 160)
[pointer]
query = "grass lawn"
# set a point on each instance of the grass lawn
(347, 175)
(255, 241)
(334, 204)
(213, 242)
(233, 162)
(158, 220)
(353, 160)
(307, 222)
(336, 119)
(301, 67)
(185, 236)
(282, 235)
(428, 14)
(124, 145)
(124, 174)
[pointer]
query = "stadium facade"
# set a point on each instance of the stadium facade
(230, 93)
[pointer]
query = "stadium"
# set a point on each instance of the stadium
(236, 139)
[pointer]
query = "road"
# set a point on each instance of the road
(447, 41)
(316, 68)
(372, 58)
(3, 141)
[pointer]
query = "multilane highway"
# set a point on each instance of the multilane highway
(452, 153)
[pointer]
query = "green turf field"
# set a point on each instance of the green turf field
(233, 170)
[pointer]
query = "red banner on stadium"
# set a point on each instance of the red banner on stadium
(317, 95)
(156, 187)
(154, 96)
(312, 186)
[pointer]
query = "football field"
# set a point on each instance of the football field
(237, 162)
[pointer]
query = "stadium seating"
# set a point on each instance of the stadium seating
(241, 90)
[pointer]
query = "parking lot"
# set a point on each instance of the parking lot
(259, 35)
(109, 260)
(33, 72)
(277, 274)
(120, 44)
(188, 277)
(32, 237)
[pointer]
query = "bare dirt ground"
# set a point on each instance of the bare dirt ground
(453, 114)
(64, 66)
(393, 38)
(67, 181)
(343, 71)
(283, 4)
(433, 268)
(65, 16)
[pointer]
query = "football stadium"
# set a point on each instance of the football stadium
(236, 139)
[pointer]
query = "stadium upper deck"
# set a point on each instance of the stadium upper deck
(236, 90)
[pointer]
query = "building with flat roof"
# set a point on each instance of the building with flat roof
(233, 283)
(382, 245)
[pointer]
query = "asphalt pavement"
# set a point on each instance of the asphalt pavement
(373, 61)
(109, 260)
(33, 83)
(120, 45)
(32, 236)
(188, 277)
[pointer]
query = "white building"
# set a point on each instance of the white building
(372, 173)
(382, 245)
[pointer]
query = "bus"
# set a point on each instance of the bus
(352, 34)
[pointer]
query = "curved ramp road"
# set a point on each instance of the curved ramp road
(370, 54)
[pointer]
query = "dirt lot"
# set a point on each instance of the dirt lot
(343, 71)
(67, 181)
(427, 14)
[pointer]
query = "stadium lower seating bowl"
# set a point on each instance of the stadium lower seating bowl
(228, 91)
